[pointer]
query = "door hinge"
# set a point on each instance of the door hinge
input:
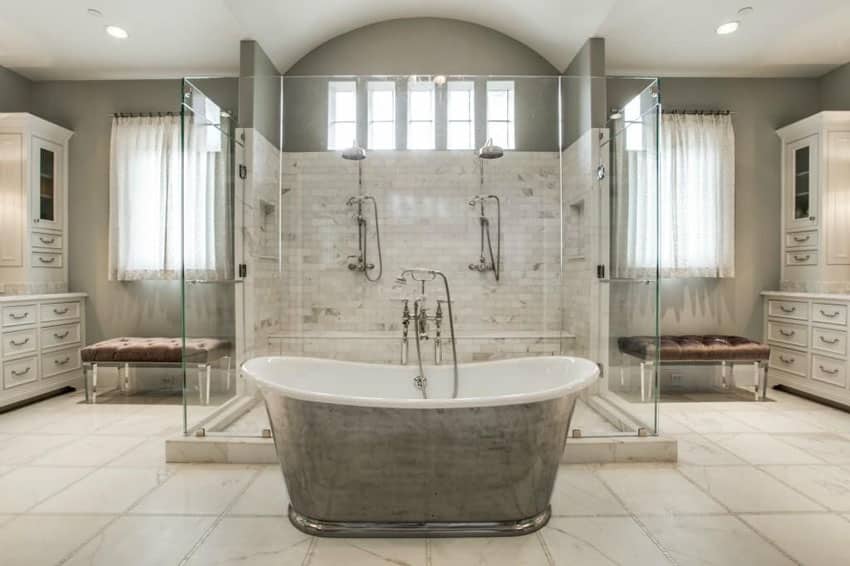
(243, 171)
(243, 270)
(600, 271)
(601, 172)
(601, 369)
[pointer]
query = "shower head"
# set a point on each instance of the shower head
(354, 153)
(490, 150)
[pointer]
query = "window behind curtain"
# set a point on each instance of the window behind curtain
(145, 213)
(420, 115)
(342, 114)
(381, 114)
(500, 113)
(460, 131)
(695, 191)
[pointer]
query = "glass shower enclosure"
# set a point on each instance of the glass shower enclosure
(290, 248)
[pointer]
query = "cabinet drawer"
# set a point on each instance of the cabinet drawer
(59, 335)
(19, 314)
(830, 314)
(800, 240)
(46, 241)
(789, 360)
(801, 258)
(61, 361)
(829, 371)
(20, 342)
(60, 311)
(45, 259)
(831, 341)
(788, 309)
(787, 333)
(19, 372)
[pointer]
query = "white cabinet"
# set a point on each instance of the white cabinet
(816, 204)
(33, 211)
(40, 341)
(808, 337)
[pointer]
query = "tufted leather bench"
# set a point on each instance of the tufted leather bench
(125, 352)
(699, 348)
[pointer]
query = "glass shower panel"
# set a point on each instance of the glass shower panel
(209, 275)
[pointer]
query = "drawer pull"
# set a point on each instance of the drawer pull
(785, 360)
(802, 257)
(65, 334)
(21, 343)
(62, 362)
(788, 310)
(800, 240)
(829, 314)
(21, 316)
(828, 371)
(825, 341)
(61, 311)
(45, 260)
(47, 240)
(787, 333)
(20, 373)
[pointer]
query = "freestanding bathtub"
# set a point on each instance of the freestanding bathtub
(363, 454)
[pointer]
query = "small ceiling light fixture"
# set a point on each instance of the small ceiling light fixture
(117, 32)
(440, 80)
(745, 11)
(94, 12)
(728, 27)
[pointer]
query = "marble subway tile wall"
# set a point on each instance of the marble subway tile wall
(425, 220)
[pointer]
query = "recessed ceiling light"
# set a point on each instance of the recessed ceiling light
(117, 32)
(727, 28)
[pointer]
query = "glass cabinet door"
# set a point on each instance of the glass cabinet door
(802, 183)
(47, 163)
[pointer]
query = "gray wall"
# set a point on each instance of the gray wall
(584, 100)
(115, 308)
(15, 92)
(760, 106)
(259, 92)
(835, 89)
(426, 46)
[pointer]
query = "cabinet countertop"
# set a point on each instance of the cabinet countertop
(42, 297)
(800, 295)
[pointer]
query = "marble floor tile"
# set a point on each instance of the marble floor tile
(27, 447)
(712, 421)
(830, 448)
(511, 551)
(747, 489)
(657, 489)
(106, 490)
(813, 540)
(774, 421)
(36, 540)
(831, 420)
(143, 424)
(265, 496)
(368, 552)
(828, 485)
(579, 492)
(26, 420)
(591, 541)
(696, 450)
(85, 422)
(143, 541)
(88, 451)
(713, 539)
(200, 489)
(669, 424)
(762, 449)
(23, 488)
(148, 454)
(254, 541)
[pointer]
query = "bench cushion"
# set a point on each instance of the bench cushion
(696, 348)
(155, 350)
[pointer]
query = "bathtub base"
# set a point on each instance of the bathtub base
(365, 529)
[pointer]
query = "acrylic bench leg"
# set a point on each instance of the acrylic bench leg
(208, 369)
(86, 385)
(643, 381)
(94, 384)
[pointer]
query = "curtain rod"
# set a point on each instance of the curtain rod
(700, 112)
(143, 114)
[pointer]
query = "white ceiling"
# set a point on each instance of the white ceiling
(57, 39)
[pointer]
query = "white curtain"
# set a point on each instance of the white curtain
(145, 209)
(696, 200)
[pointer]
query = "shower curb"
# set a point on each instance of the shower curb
(252, 450)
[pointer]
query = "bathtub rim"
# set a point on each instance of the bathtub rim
(577, 383)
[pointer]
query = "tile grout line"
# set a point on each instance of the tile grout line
(308, 557)
(219, 518)
(542, 542)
